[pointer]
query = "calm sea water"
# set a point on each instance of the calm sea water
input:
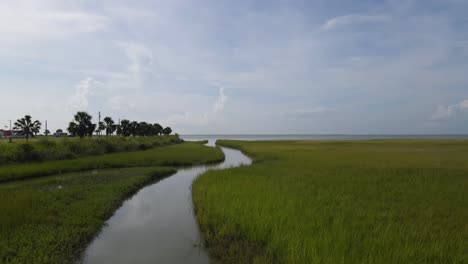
(318, 137)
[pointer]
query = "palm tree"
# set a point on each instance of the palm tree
(133, 128)
(125, 127)
(91, 129)
(110, 126)
(118, 130)
(27, 127)
(72, 128)
(144, 129)
(82, 126)
(101, 127)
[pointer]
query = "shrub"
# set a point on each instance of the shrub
(26, 152)
(65, 148)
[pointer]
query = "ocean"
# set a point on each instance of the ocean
(317, 137)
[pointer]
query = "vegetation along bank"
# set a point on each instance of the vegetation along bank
(377, 201)
(51, 219)
(123, 136)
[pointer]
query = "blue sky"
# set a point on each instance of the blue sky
(346, 67)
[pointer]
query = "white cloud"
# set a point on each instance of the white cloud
(79, 100)
(218, 106)
(200, 118)
(444, 112)
(275, 60)
(353, 19)
(48, 18)
(141, 59)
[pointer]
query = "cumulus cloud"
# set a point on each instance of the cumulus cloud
(353, 19)
(79, 100)
(218, 106)
(445, 112)
(137, 64)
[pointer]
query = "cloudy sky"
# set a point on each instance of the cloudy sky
(312, 66)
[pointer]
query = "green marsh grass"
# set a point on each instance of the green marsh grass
(50, 148)
(51, 219)
(184, 154)
(377, 201)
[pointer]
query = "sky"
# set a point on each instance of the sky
(239, 67)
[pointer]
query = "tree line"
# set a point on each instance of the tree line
(83, 126)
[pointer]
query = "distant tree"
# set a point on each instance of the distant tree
(145, 129)
(82, 126)
(27, 126)
(157, 129)
(47, 132)
(125, 128)
(72, 128)
(118, 130)
(141, 129)
(128, 128)
(133, 128)
(101, 126)
(91, 129)
(167, 131)
(110, 126)
(37, 129)
(59, 131)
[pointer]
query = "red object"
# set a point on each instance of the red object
(6, 133)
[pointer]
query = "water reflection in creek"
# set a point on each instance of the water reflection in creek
(157, 224)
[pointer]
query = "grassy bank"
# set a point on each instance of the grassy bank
(187, 153)
(389, 201)
(50, 148)
(51, 219)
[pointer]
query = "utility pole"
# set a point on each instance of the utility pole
(99, 124)
(45, 132)
(11, 133)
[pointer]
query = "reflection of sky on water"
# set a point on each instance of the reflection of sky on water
(157, 224)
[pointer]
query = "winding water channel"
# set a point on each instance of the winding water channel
(157, 225)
